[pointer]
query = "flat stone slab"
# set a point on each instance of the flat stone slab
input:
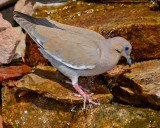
(140, 85)
(13, 71)
(50, 83)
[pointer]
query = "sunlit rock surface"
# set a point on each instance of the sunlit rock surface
(9, 40)
(50, 83)
(27, 6)
(140, 85)
(133, 21)
(14, 70)
(10, 73)
(34, 110)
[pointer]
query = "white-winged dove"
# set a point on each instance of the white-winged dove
(74, 51)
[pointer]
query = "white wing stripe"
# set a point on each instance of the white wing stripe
(71, 66)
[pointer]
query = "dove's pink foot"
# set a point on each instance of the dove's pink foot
(85, 96)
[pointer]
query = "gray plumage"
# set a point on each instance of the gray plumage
(72, 50)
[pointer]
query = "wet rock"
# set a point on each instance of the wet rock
(4, 3)
(1, 121)
(140, 85)
(155, 5)
(32, 55)
(27, 6)
(118, 116)
(34, 110)
(114, 19)
(13, 71)
(9, 40)
(50, 83)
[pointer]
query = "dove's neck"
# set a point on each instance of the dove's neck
(109, 57)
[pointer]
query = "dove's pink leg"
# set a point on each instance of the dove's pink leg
(80, 85)
(85, 96)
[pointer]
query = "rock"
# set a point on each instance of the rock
(1, 121)
(34, 110)
(13, 71)
(7, 14)
(140, 85)
(114, 19)
(47, 81)
(32, 55)
(27, 6)
(4, 3)
(20, 50)
(117, 116)
(155, 5)
(9, 40)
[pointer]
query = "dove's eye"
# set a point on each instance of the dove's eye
(126, 48)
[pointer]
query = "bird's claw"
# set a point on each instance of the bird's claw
(87, 97)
